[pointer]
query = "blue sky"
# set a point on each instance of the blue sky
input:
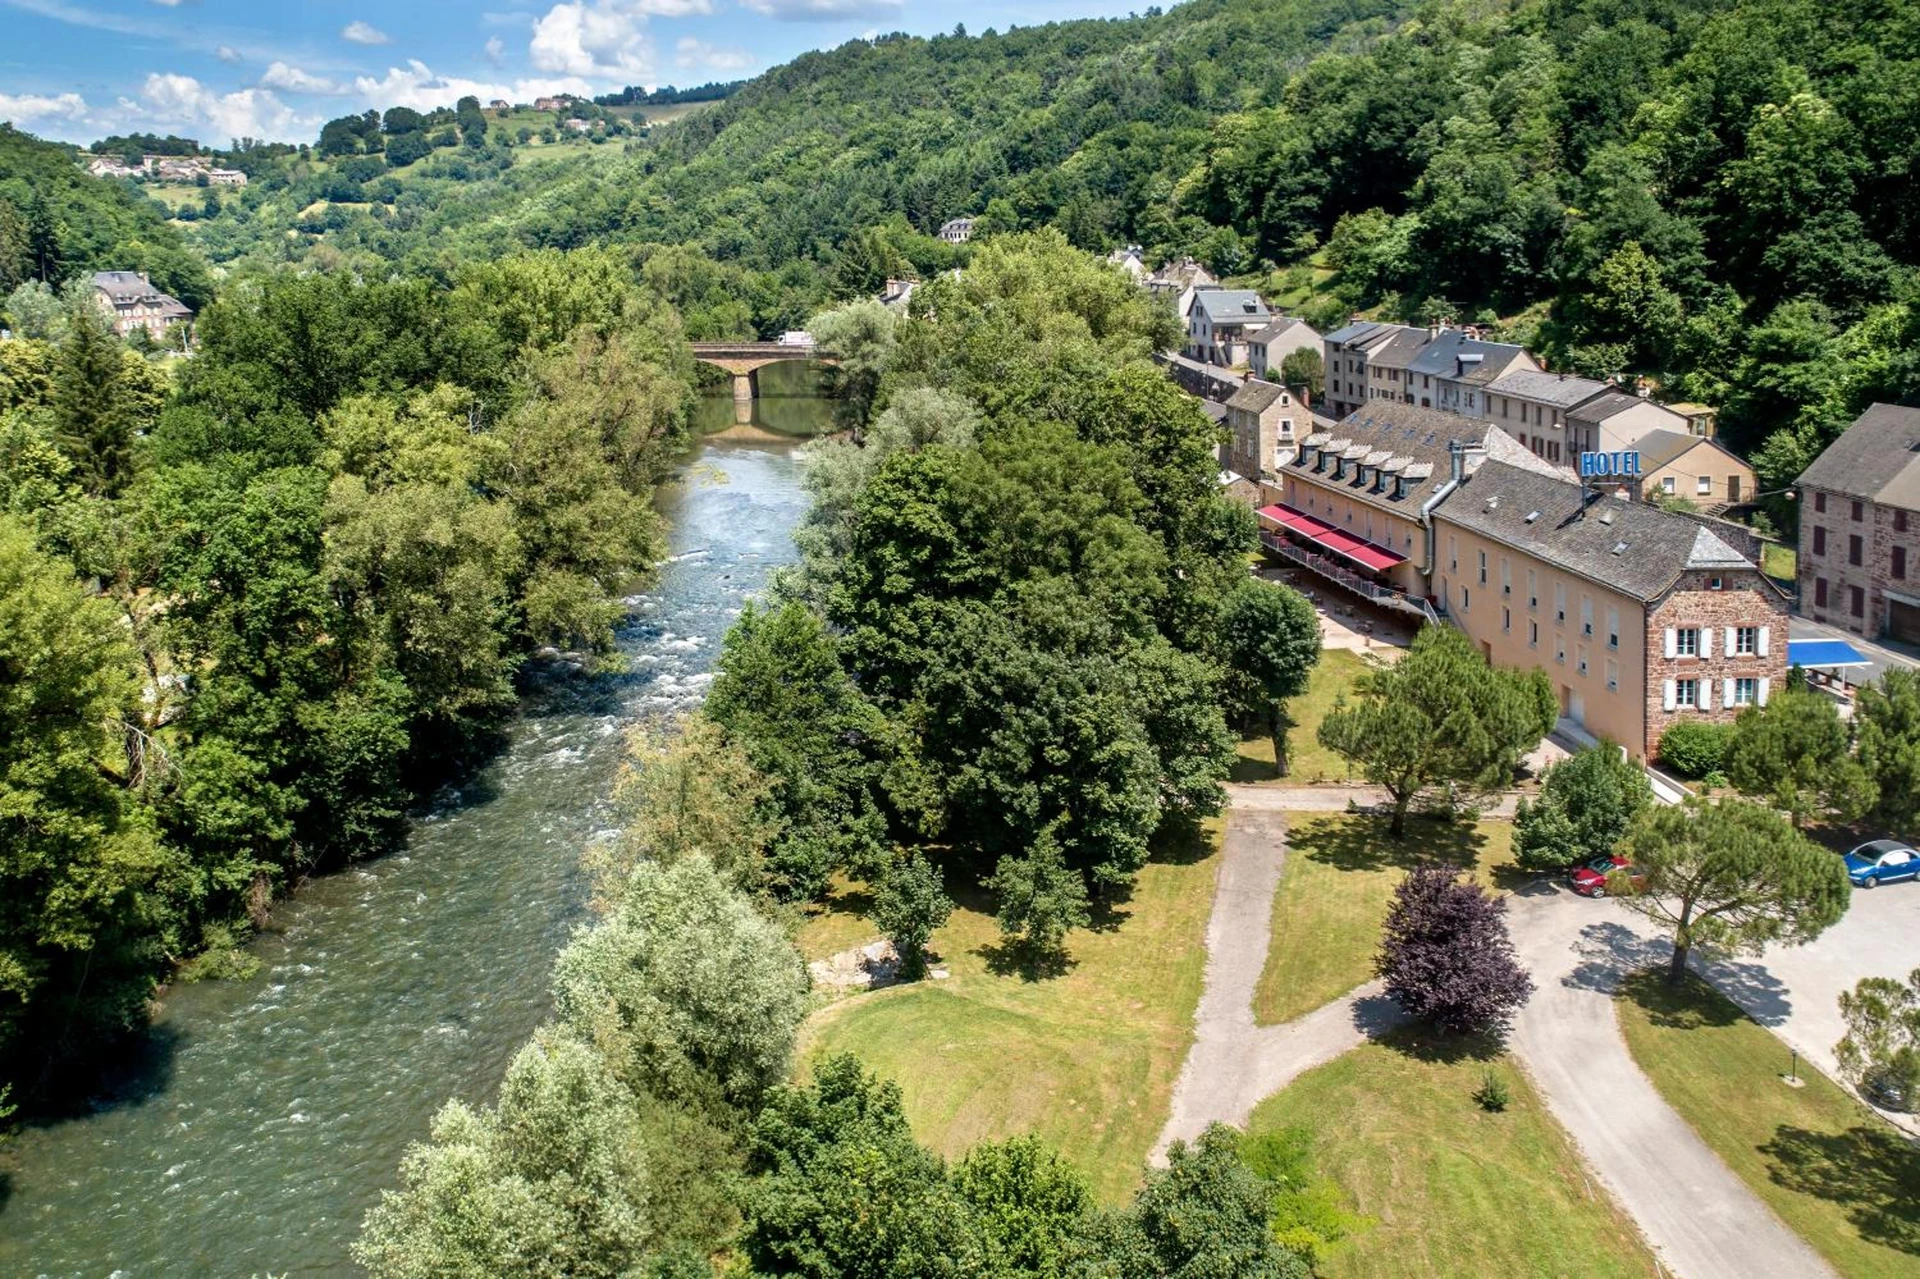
(219, 69)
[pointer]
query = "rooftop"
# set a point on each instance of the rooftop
(1877, 458)
(1612, 403)
(1558, 390)
(1231, 306)
(1256, 396)
(1445, 354)
(1630, 547)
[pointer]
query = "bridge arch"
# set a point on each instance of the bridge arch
(744, 359)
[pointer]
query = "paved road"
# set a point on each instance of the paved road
(1234, 1064)
(1332, 797)
(1881, 655)
(1702, 1220)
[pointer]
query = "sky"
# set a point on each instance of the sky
(77, 70)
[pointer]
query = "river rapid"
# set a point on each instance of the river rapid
(270, 1113)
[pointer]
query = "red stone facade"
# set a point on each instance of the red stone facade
(1881, 594)
(1744, 599)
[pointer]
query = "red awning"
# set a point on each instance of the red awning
(1359, 550)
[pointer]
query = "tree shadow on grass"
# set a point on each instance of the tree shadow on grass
(1028, 963)
(1423, 1043)
(1350, 843)
(1694, 1003)
(1872, 1172)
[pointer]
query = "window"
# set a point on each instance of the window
(1466, 598)
(1686, 693)
(1613, 676)
(1853, 549)
(1746, 641)
(1745, 691)
(1820, 503)
(1856, 601)
(1559, 602)
(1666, 484)
(1506, 619)
(1581, 655)
(1819, 539)
(1856, 512)
(1899, 521)
(1586, 615)
(1613, 627)
(1703, 486)
(1819, 592)
(1506, 576)
(1533, 591)
(1533, 634)
(1899, 566)
(1483, 568)
(1560, 651)
(1686, 642)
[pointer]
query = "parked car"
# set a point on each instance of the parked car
(1591, 880)
(1882, 862)
(1889, 1092)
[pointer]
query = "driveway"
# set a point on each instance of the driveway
(1882, 656)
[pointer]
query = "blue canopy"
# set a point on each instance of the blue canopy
(1824, 652)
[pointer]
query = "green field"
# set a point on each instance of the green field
(1845, 1180)
(1450, 1189)
(1086, 1059)
(1779, 561)
(1334, 891)
(1311, 761)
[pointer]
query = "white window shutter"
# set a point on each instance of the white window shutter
(1732, 639)
(1670, 652)
(1765, 684)
(1706, 641)
(1726, 693)
(1763, 641)
(1667, 695)
(1705, 694)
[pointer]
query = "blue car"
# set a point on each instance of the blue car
(1882, 862)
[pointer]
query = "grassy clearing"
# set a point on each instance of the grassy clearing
(837, 923)
(1339, 879)
(1311, 761)
(1086, 1059)
(1779, 560)
(1451, 1189)
(1844, 1179)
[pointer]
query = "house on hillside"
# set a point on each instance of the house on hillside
(1269, 346)
(1220, 322)
(1860, 527)
(226, 177)
(896, 294)
(1261, 417)
(133, 303)
(1178, 282)
(559, 102)
(1617, 419)
(1701, 470)
(499, 104)
(1130, 260)
(957, 230)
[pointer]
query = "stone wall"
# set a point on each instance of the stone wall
(1745, 599)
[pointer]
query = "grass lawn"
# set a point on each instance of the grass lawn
(1087, 1059)
(1451, 1189)
(1312, 762)
(1779, 560)
(1839, 1175)
(838, 923)
(1339, 879)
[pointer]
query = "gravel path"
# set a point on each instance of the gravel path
(1700, 1218)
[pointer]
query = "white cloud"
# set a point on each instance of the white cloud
(25, 107)
(227, 53)
(824, 10)
(603, 37)
(496, 50)
(281, 76)
(182, 102)
(358, 32)
(697, 53)
(417, 86)
(168, 4)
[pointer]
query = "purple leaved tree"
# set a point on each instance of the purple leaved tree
(1445, 954)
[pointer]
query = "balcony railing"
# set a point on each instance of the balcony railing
(1347, 578)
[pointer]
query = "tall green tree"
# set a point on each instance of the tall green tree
(1797, 753)
(1269, 642)
(1887, 721)
(1441, 715)
(1587, 803)
(89, 404)
(1732, 876)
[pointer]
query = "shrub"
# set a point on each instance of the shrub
(1694, 749)
(1492, 1095)
(1445, 954)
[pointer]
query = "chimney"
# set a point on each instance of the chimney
(1433, 330)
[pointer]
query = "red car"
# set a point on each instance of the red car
(1591, 880)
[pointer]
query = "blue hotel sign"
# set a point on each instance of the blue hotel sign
(1609, 465)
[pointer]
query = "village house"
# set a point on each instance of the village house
(226, 177)
(1179, 282)
(1860, 527)
(1349, 352)
(957, 230)
(1456, 366)
(1641, 618)
(132, 302)
(1130, 260)
(1617, 419)
(1262, 417)
(896, 294)
(1219, 323)
(1268, 347)
(1674, 464)
(559, 102)
(499, 104)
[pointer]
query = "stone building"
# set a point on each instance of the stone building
(1262, 418)
(1641, 618)
(1860, 527)
(132, 303)
(1269, 347)
(1219, 323)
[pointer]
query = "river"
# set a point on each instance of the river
(273, 1111)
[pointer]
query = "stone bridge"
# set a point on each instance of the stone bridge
(744, 359)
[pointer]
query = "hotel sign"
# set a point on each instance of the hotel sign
(1609, 465)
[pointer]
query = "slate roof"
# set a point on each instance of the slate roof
(1610, 404)
(1658, 448)
(1281, 325)
(1441, 356)
(1627, 546)
(1415, 440)
(1877, 458)
(1559, 390)
(1256, 396)
(1353, 331)
(1231, 306)
(1400, 351)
